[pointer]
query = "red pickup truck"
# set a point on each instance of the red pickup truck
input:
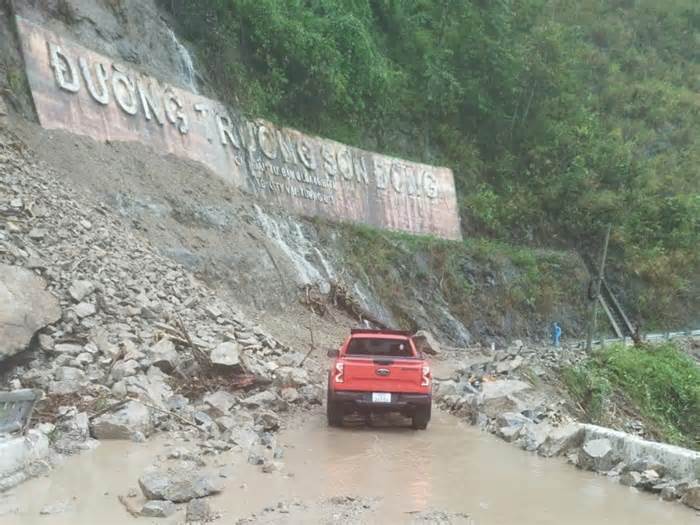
(379, 371)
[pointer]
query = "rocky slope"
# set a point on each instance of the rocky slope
(139, 344)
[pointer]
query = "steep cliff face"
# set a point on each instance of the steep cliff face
(274, 266)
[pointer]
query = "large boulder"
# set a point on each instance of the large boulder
(178, 485)
(498, 397)
(122, 424)
(25, 307)
(425, 342)
(561, 440)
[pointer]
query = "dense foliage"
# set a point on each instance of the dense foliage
(557, 116)
(661, 381)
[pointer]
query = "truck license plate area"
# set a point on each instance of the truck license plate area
(380, 397)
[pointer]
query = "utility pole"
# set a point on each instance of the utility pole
(593, 310)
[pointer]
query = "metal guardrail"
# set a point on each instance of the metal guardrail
(16, 409)
(659, 336)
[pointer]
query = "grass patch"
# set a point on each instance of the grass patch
(661, 381)
(477, 277)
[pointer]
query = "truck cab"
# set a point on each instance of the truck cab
(378, 371)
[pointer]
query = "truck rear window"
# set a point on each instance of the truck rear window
(380, 347)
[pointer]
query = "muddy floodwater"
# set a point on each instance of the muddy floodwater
(451, 467)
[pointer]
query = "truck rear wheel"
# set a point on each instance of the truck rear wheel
(420, 418)
(334, 412)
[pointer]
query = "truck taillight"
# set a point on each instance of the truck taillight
(339, 372)
(425, 381)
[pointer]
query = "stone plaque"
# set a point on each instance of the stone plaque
(86, 93)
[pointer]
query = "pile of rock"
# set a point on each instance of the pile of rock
(671, 472)
(121, 326)
(513, 411)
(164, 489)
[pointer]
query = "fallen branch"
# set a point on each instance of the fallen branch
(199, 356)
(312, 347)
(110, 408)
(171, 414)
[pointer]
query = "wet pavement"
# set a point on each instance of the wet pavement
(451, 467)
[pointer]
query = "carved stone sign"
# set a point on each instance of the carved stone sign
(86, 93)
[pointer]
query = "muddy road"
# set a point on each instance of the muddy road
(395, 471)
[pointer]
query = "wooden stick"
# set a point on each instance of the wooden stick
(171, 414)
(110, 408)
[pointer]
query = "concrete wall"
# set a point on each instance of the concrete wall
(18, 455)
(681, 463)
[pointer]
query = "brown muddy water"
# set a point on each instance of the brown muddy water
(450, 467)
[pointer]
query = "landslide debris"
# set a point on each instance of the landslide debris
(129, 343)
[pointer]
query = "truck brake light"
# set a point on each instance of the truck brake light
(425, 381)
(339, 372)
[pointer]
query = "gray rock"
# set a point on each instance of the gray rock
(46, 342)
(123, 423)
(499, 389)
(561, 440)
(164, 356)
(203, 420)
(68, 349)
(271, 466)
(510, 433)
(268, 420)
(67, 373)
(291, 376)
(177, 402)
(123, 369)
(64, 387)
(509, 419)
(691, 498)
(226, 354)
(257, 455)
(179, 485)
(226, 423)
(37, 233)
(261, 399)
(631, 479)
(198, 511)
(669, 493)
(312, 394)
(158, 509)
(425, 342)
(220, 403)
(500, 396)
(56, 508)
(532, 436)
(25, 307)
(79, 290)
(83, 310)
(290, 394)
(71, 432)
(598, 455)
(255, 367)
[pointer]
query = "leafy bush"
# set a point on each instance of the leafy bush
(557, 116)
(661, 380)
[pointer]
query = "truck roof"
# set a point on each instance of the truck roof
(379, 334)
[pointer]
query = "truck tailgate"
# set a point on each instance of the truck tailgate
(376, 374)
